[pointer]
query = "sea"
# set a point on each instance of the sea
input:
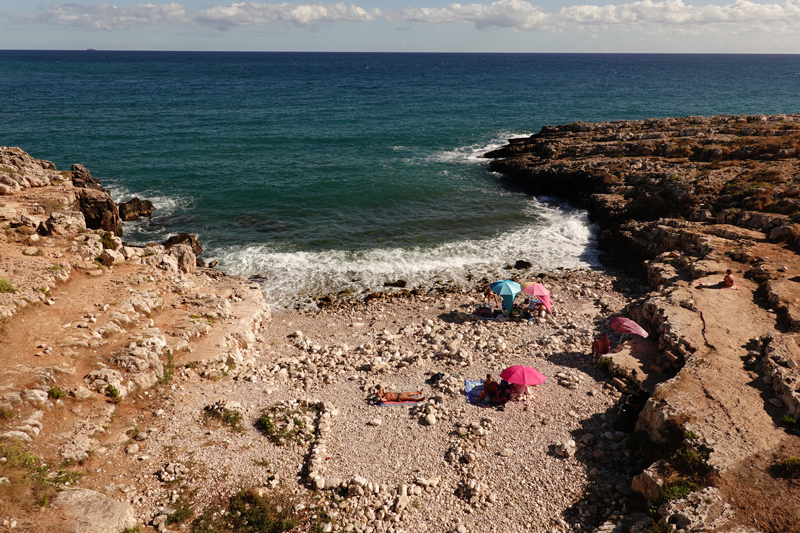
(335, 173)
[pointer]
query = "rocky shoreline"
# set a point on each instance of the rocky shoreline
(689, 198)
(168, 391)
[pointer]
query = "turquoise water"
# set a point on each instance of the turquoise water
(321, 172)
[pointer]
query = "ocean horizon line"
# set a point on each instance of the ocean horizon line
(356, 52)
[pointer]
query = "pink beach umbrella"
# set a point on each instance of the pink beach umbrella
(523, 375)
(620, 324)
(539, 290)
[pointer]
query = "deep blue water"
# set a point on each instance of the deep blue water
(317, 169)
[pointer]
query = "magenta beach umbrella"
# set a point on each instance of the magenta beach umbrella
(540, 291)
(523, 375)
(620, 324)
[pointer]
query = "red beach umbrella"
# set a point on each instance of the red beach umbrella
(621, 324)
(523, 375)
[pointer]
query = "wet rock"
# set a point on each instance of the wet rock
(135, 208)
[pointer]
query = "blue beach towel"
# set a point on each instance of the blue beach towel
(473, 390)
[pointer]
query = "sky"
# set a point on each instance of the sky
(669, 26)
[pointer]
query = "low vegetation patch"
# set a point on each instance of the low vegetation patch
(788, 468)
(791, 425)
(6, 286)
(106, 239)
(32, 481)
(288, 422)
(169, 370)
(604, 364)
(57, 393)
(225, 416)
(182, 512)
(248, 512)
(113, 394)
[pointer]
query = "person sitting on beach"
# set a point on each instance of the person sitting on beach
(489, 388)
(727, 281)
(399, 396)
(601, 346)
(485, 311)
(503, 393)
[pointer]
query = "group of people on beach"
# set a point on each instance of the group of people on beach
(499, 393)
(493, 307)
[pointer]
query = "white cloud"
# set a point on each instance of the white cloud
(303, 15)
(667, 15)
(504, 13)
(107, 17)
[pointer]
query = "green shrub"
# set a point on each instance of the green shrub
(788, 468)
(230, 417)
(248, 512)
(106, 239)
(169, 370)
(57, 393)
(6, 286)
(183, 512)
(604, 364)
(283, 423)
(113, 393)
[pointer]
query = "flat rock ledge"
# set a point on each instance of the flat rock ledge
(88, 511)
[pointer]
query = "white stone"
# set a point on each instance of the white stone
(34, 396)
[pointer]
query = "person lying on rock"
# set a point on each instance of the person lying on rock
(400, 396)
(601, 346)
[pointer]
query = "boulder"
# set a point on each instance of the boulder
(62, 224)
(648, 484)
(187, 261)
(704, 510)
(88, 511)
(17, 436)
(135, 208)
(35, 396)
(185, 238)
(111, 257)
(99, 210)
(82, 178)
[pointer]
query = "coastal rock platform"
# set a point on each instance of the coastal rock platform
(690, 198)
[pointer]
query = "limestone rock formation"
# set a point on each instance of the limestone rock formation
(185, 238)
(82, 178)
(88, 511)
(99, 210)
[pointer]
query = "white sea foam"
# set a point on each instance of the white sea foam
(473, 153)
(562, 238)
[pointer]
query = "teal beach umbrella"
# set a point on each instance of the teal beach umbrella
(507, 290)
